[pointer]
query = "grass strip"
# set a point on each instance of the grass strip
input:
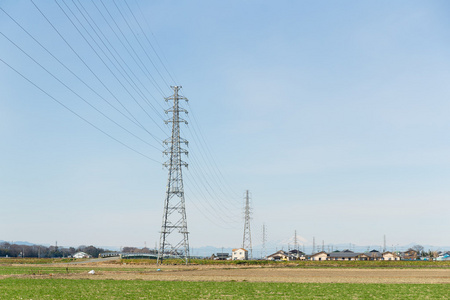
(17, 288)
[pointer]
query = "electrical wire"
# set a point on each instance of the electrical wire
(93, 73)
(134, 34)
(75, 93)
(206, 178)
(69, 70)
(107, 66)
(150, 43)
(158, 45)
(103, 38)
(76, 114)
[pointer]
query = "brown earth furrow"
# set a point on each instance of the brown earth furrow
(258, 274)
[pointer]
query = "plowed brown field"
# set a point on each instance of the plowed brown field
(258, 274)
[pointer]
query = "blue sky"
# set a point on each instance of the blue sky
(333, 114)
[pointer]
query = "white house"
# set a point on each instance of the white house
(279, 255)
(319, 256)
(81, 255)
(239, 254)
(390, 256)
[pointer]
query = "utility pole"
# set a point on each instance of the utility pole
(384, 243)
(247, 240)
(314, 245)
(323, 245)
(174, 238)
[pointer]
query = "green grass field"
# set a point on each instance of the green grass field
(29, 260)
(297, 263)
(15, 288)
(49, 287)
(70, 269)
(303, 264)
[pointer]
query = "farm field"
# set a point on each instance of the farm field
(126, 279)
(26, 288)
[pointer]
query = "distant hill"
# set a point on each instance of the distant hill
(22, 243)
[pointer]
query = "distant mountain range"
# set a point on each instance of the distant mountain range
(20, 243)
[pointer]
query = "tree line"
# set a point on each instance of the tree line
(39, 251)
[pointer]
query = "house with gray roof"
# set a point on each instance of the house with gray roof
(347, 255)
(374, 255)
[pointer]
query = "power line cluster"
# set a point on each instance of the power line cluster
(100, 61)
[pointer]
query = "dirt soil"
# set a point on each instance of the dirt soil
(254, 274)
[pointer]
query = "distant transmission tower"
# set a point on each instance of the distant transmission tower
(174, 239)
(247, 241)
(295, 240)
(264, 239)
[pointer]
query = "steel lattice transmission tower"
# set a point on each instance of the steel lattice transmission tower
(295, 240)
(264, 239)
(247, 241)
(174, 239)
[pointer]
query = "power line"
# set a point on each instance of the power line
(122, 64)
(157, 44)
(75, 75)
(75, 93)
(213, 176)
(143, 49)
(148, 40)
(209, 215)
(106, 65)
(92, 72)
(79, 116)
(202, 141)
(132, 49)
(210, 190)
(218, 214)
(139, 63)
(211, 182)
